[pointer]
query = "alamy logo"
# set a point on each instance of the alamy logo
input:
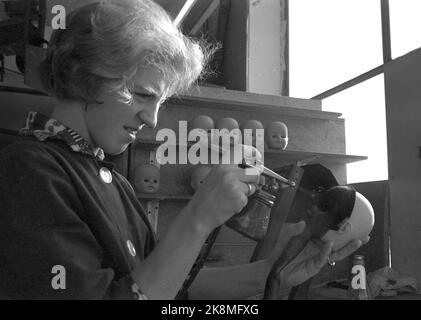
(359, 280)
(214, 147)
(58, 282)
(59, 20)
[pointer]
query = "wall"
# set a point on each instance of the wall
(403, 115)
(376, 252)
(14, 107)
(255, 47)
(267, 35)
(235, 51)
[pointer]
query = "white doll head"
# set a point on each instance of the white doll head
(147, 178)
(229, 127)
(357, 226)
(252, 125)
(276, 135)
(239, 152)
(198, 176)
(203, 123)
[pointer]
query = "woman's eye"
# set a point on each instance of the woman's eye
(146, 180)
(143, 95)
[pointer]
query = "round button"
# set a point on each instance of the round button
(105, 175)
(131, 248)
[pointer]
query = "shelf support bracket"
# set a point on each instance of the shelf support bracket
(153, 208)
(153, 205)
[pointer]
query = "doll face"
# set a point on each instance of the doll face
(198, 176)
(147, 178)
(277, 135)
(229, 127)
(204, 123)
(357, 226)
(252, 125)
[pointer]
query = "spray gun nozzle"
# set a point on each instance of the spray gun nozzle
(264, 171)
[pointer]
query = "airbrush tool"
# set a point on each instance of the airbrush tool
(252, 162)
(266, 172)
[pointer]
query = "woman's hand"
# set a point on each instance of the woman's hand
(224, 193)
(312, 259)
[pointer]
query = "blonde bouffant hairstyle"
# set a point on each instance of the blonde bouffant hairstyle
(106, 42)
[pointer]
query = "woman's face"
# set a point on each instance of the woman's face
(114, 124)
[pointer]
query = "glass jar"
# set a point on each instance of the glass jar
(253, 221)
(358, 287)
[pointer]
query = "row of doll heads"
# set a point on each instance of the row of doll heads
(275, 133)
(147, 177)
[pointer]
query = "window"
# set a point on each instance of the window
(363, 107)
(330, 42)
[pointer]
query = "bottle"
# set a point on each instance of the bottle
(253, 220)
(358, 288)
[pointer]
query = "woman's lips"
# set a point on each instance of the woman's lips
(131, 131)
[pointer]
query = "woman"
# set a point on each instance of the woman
(64, 208)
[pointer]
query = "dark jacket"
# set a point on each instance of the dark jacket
(56, 210)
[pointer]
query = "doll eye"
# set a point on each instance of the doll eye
(145, 180)
(155, 181)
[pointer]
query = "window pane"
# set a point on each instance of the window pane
(405, 26)
(332, 41)
(363, 107)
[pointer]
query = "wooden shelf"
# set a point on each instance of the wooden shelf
(219, 98)
(287, 155)
(159, 196)
(320, 157)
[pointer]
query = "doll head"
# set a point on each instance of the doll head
(198, 176)
(229, 127)
(204, 123)
(252, 125)
(147, 178)
(239, 152)
(357, 226)
(276, 135)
